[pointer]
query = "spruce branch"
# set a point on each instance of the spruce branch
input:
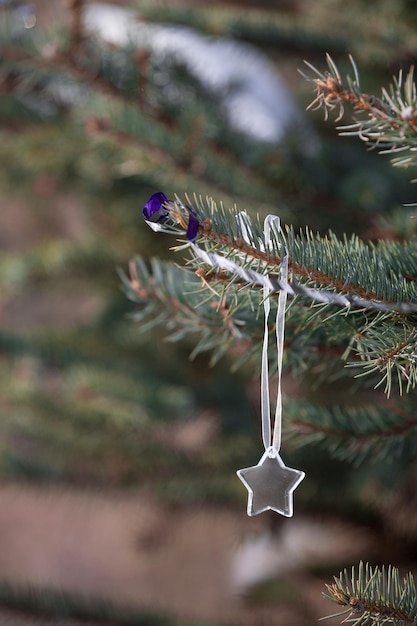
(62, 61)
(125, 125)
(345, 272)
(377, 432)
(332, 94)
(172, 297)
(82, 58)
(367, 313)
(119, 104)
(304, 30)
(59, 606)
(391, 349)
(374, 596)
(388, 123)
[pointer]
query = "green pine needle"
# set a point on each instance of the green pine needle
(374, 596)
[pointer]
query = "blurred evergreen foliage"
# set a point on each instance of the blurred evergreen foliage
(85, 138)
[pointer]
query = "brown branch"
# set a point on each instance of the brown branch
(76, 29)
(332, 95)
(384, 359)
(146, 293)
(296, 268)
(358, 606)
(66, 62)
(73, 65)
(305, 428)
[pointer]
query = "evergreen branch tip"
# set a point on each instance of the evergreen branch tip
(374, 596)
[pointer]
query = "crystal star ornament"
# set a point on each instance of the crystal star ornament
(270, 485)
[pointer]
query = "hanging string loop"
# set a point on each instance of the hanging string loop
(272, 443)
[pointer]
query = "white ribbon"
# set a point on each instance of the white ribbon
(252, 277)
(273, 446)
(271, 223)
(280, 329)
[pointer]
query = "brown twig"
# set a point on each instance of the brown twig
(296, 268)
(306, 428)
(76, 30)
(358, 606)
(66, 62)
(332, 95)
(390, 354)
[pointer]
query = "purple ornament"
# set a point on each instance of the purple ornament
(193, 226)
(153, 211)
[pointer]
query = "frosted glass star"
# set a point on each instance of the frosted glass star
(270, 485)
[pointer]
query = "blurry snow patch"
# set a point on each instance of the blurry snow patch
(252, 95)
(303, 542)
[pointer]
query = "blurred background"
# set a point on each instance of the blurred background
(119, 501)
